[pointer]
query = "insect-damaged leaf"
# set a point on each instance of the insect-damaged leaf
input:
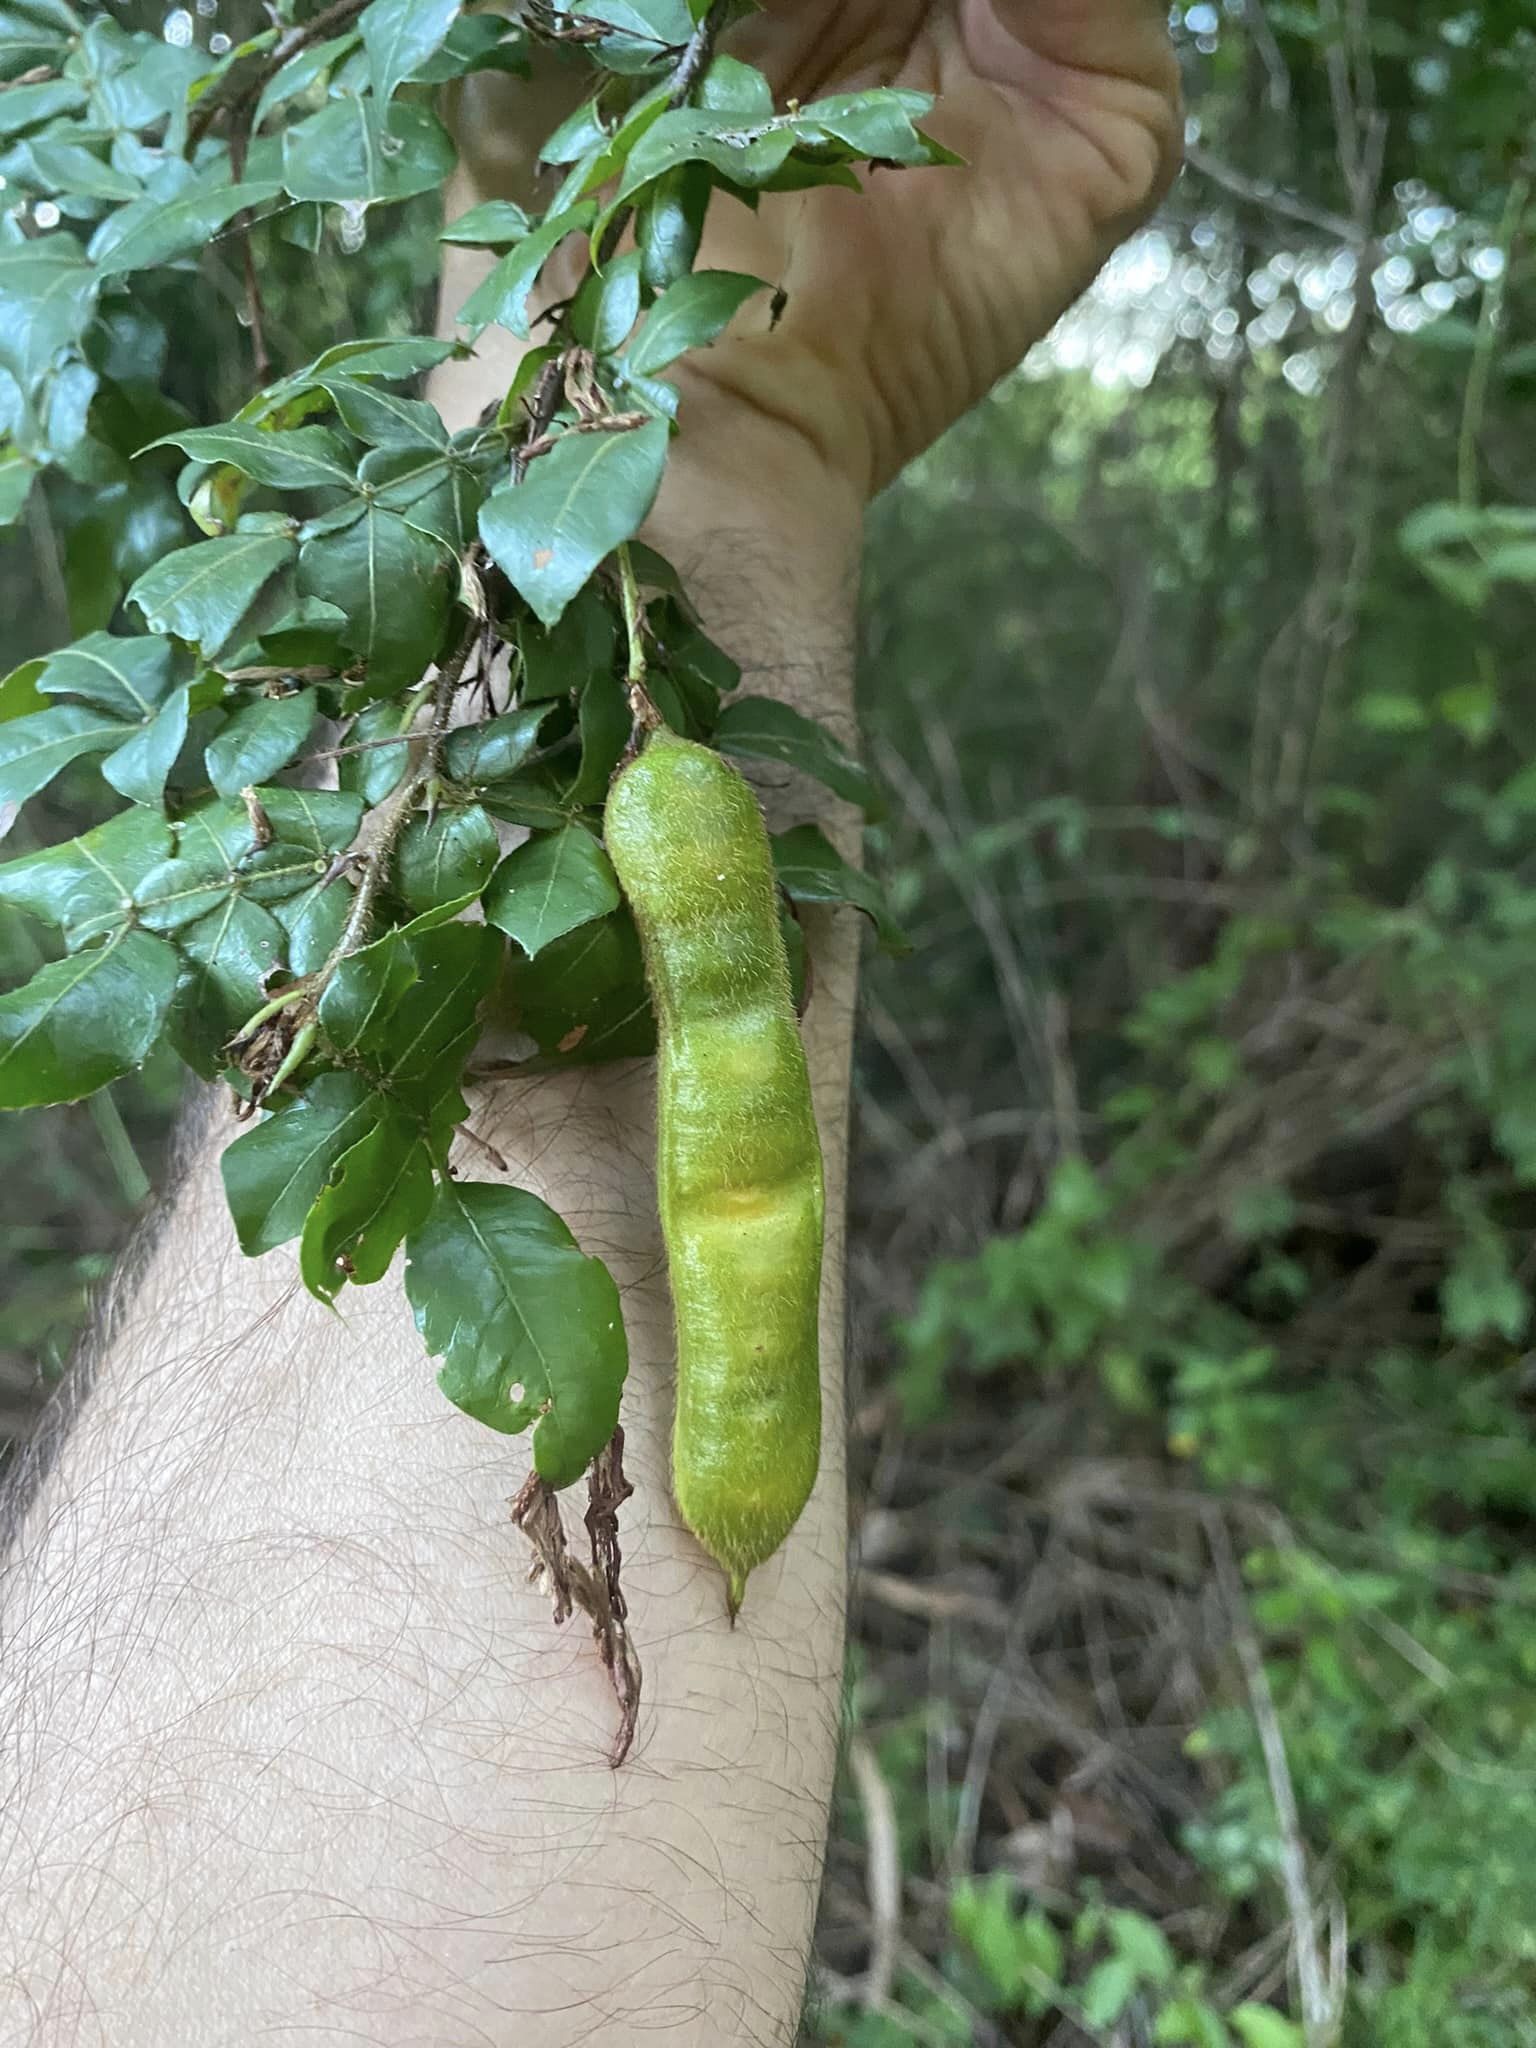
(382, 1189)
(528, 1328)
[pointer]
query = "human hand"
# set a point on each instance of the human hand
(906, 302)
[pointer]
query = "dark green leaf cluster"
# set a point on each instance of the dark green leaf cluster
(364, 681)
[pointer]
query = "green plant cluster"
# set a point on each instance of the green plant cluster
(307, 820)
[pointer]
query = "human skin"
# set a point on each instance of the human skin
(290, 1752)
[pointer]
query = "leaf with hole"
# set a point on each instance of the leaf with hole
(381, 1191)
(529, 1329)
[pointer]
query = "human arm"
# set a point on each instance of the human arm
(291, 1751)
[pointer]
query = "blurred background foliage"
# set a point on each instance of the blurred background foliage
(1195, 1607)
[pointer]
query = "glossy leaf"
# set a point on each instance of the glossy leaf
(690, 314)
(201, 593)
(399, 36)
(340, 154)
(528, 1328)
(763, 729)
(300, 459)
(381, 1192)
(275, 1173)
(82, 1022)
(549, 886)
(33, 750)
(155, 232)
(811, 870)
(126, 676)
(84, 887)
(443, 859)
(577, 504)
(139, 767)
(503, 297)
(261, 738)
(584, 1000)
(230, 958)
(392, 583)
(482, 755)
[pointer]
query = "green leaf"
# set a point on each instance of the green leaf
(432, 1029)
(690, 314)
(261, 738)
(399, 36)
(27, 106)
(503, 297)
(443, 859)
(811, 870)
(494, 224)
(127, 676)
(322, 821)
(1260, 2026)
(669, 223)
(383, 418)
(275, 1173)
(605, 725)
(19, 694)
(75, 171)
(139, 767)
(376, 769)
(314, 920)
(231, 956)
(36, 748)
(482, 755)
(85, 886)
(381, 1192)
(1144, 1946)
(876, 123)
(578, 503)
(618, 304)
(1109, 1989)
(549, 886)
(434, 491)
(17, 475)
(584, 1000)
(302, 70)
(763, 729)
(47, 300)
(303, 458)
(748, 153)
(529, 1329)
(154, 232)
(392, 582)
(201, 593)
(339, 155)
(82, 1022)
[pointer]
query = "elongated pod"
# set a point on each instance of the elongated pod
(738, 1160)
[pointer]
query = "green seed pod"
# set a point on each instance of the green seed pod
(739, 1180)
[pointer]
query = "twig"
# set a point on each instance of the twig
(229, 94)
(392, 816)
(691, 66)
(641, 704)
(1270, 197)
(1317, 2010)
(1475, 403)
(883, 1871)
